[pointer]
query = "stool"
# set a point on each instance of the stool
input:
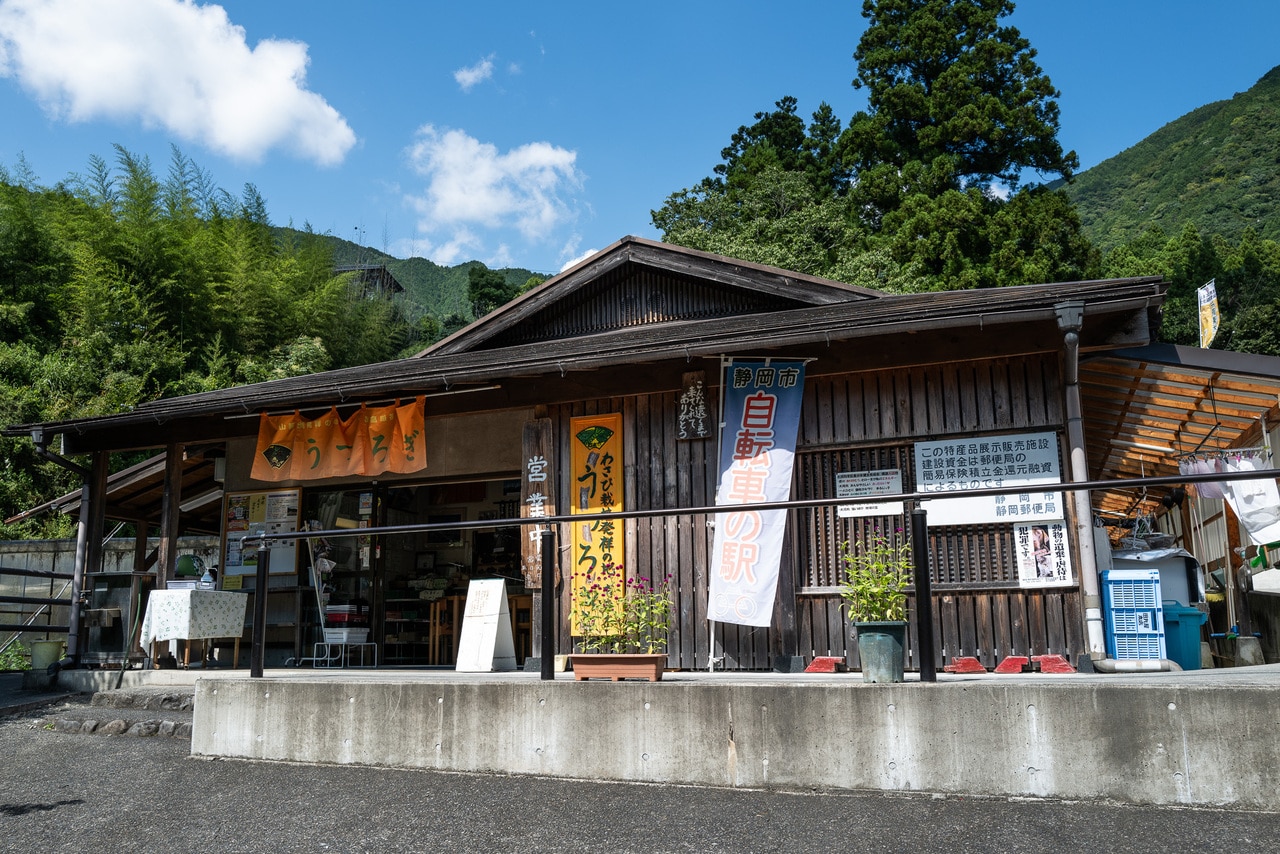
(340, 654)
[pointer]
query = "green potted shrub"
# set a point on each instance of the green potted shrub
(877, 571)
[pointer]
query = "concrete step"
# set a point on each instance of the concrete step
(168, 698)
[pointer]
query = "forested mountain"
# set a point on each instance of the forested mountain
(430, 289)
(1218, 167)
(1199, 201)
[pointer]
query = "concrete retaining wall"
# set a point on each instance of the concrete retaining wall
(1147, 744)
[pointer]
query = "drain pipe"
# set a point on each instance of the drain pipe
(1070, 318)
(1137, 665)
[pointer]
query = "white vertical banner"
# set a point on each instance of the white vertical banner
(757, 449)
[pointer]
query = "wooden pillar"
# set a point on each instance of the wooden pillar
(167, 554)
(93, 511)
(537, 498)
(133, 614)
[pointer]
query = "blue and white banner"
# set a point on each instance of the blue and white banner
(757, 449)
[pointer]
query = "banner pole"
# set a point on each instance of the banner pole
(924, 594)
(548, 650)
(260, 607)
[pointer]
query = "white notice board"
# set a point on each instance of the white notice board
(1027, 462)
(864, 484)
(486, 644)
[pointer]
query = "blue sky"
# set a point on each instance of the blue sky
(527, 134)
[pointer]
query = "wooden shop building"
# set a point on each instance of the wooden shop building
(637, 334)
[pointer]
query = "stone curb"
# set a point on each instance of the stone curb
(118, 726)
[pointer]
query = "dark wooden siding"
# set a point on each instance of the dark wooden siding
(631, 296)
(849, 422)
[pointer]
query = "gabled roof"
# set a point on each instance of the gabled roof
(374, 279)
(642, 283)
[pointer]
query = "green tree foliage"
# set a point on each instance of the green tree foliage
(487, 289)
(922, 190)
(1246, 276)
(1217, 167)
(952, 90)
(119, 287)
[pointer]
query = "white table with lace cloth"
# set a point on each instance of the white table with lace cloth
(189, 615)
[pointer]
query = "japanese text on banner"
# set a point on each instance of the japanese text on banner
(597, 466)
(372, 440)
(757, 448)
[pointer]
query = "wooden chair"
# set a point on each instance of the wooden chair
(442, 631)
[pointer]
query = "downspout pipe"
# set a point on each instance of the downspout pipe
(1070, 319)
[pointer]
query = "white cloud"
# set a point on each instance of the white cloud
(172, 65)
(996, 190)
(478, 73)
(471, 184)
(577, 259)
(462, 245)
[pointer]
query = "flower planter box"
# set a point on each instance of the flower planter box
(616, 666)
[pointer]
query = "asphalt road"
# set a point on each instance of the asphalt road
(95, 793)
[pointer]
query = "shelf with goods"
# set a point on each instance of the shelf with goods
(407, 635)
(407, 618)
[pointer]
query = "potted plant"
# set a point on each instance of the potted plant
(877, 571)
(620, 625)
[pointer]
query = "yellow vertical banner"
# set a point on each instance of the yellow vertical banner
(595, 486)
(1207, 297)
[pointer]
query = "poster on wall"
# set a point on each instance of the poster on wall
(757, 449)
(693, 412)
(1024, 461)
(247, 513)
(595, 486)
(1044, 557)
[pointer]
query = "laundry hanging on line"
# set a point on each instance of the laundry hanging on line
(1256, 503)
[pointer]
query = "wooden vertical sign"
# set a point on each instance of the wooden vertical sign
(537, 495)
(693, 412)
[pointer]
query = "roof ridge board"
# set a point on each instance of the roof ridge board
(776, 279)
(714, 268)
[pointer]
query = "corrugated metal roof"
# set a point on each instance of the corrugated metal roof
(1145, 407)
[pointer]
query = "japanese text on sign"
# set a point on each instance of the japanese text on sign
(1044, 558)
(863, 484)
(1017, 461)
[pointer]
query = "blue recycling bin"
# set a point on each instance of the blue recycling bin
(1182, 633)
